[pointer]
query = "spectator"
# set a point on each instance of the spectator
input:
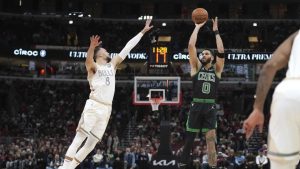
(116, 142)
(54, 163)
(261, 160)
(119, 161)
(97, 158)
(240, 160)
(129, 159)
(142, 161)
(204, 164)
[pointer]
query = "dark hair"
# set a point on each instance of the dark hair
(97, 48)
(213, 54)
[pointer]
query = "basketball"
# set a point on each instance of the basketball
(199, 15)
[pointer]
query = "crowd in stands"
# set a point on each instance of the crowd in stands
(27, 31)
(39, 119)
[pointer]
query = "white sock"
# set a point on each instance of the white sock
(77, 141)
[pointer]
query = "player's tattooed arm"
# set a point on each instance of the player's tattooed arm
(211, 150)
(279, 60)
(212, 158)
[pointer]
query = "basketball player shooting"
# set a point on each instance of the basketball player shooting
(97, 110)
(205, 76)
(284, 126)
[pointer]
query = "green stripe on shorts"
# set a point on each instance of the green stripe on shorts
(191, 129)
(204, 130)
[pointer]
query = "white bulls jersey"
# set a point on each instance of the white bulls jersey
(294, 62)
(102, 83)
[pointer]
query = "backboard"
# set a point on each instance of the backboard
(147, 87)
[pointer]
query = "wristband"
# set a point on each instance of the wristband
(221, 55)
(216, 32)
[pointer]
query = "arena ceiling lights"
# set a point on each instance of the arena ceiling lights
(145, 17)
(76, 15)
(79, 14)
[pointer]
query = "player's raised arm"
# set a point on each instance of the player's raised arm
(89, 61)
(131, 44)
(279, 60)
(194, 61)
(220, 57)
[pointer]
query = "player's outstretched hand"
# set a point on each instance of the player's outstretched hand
(256, 118)
(215, 23)
(147, 26)
(200, 25)
(95, 41)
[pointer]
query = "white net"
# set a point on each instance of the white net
(155, 102)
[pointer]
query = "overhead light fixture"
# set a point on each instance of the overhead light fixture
(164, 38)
(254, 24)
(164, 24)
(71, 22)
(253, 39)
(79, 14)
(145, 17)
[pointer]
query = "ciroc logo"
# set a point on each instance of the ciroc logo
(22, 52)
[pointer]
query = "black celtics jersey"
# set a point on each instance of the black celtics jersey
(205, 83)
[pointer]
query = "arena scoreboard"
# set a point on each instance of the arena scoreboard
(159, 57)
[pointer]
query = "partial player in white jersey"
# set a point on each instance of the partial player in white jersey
(284, 126)
(96, 113)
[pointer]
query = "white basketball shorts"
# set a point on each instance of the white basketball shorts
(94, 118)
(284, 126)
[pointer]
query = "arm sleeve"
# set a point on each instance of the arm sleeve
(130, 44)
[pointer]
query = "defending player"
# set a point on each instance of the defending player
(284, 127)
(96, 113)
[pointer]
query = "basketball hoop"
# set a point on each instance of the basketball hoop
(155, 102)
(147, 87)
